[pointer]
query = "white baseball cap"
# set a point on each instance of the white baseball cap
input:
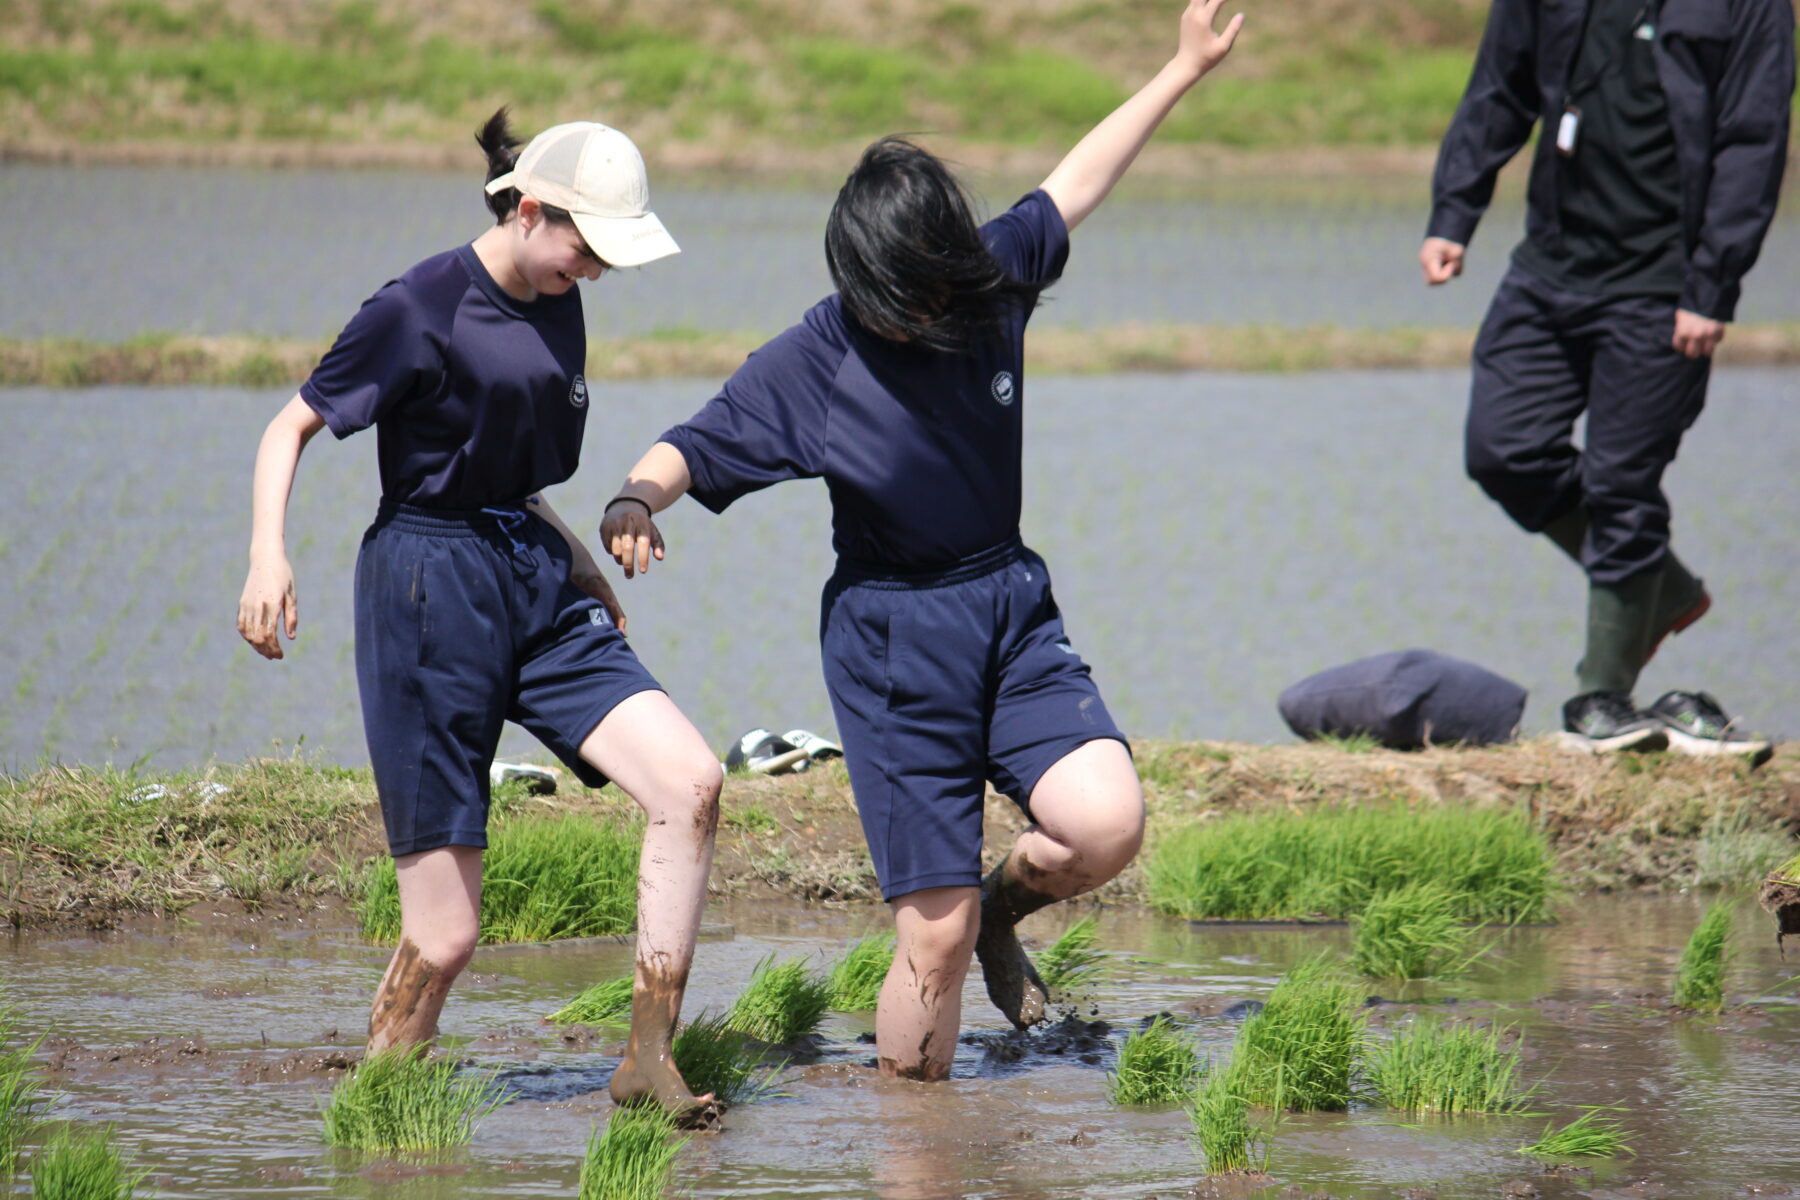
(597, 174)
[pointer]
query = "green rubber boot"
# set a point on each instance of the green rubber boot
(1620, 626)
(1682, 599)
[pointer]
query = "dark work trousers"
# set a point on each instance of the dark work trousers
(1544, 356)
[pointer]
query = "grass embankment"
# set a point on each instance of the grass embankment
(89, 843)
(171, 360)
(749, 84)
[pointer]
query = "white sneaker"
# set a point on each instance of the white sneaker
(817, 748)
(539, 781)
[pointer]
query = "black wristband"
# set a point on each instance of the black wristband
(648, 512)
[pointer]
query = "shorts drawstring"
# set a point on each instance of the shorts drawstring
(511, 521)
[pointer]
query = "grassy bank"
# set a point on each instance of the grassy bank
(167, 359)
(90, 844)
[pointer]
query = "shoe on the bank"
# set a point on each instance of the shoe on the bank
(1681, 621)
(817, 749)
(762, 753)
(1696, 724)
(1608, 722)
(539, 781)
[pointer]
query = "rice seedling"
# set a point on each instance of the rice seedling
(1412, 932)
(1072, 961)
(1700, 976)
(605, 1001)
(400, 1100)
(713, 1057)
(1219, 1120)
(855, 979)
(1333, 860)
(1449, 1069)
(1298, 1051)
(542, 878)
(1591, 1135)
(82, 1166)
(781, 1002)
(633, 1158)
(21, 1089)
(1157, 1065)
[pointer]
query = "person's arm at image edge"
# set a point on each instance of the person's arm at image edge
(270, 603)
(659, 479)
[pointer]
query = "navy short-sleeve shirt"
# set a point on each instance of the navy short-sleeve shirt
(477, 398)
(920, 449)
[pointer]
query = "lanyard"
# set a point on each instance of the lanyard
(1650, 9)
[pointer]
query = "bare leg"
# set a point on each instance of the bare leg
(921, 1001)
(440, 913)
(660, 760)
(1089, 814)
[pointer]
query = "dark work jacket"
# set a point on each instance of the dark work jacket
(1727, 72)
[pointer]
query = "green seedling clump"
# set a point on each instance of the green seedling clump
(82, 1166)
(21, 1089)
(400, 1100)
(1780, 898)
(1412, 932)
(1220, 1126)
(1298, 1052)
(855, 979)
(1449, 1069)
(1700, 977)
(1072, 962)
(603, 1002)
(633, 1158)
(542, 878)
(712, 1057)
(1332, 861)
(781, 1003)
(1591, 1135)
(1157, 1065)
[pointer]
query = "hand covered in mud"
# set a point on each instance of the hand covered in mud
(269, 602)
(630, 536)
(585, 574)
(1202, 47)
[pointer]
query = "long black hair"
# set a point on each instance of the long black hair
(501, 145)
(907, 257)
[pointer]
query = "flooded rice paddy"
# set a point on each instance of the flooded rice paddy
(210, 1048)
(1213, 537)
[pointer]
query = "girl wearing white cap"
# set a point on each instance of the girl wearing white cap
(475, 604)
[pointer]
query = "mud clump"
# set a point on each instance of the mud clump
(1071, 1037)
(1780, 897)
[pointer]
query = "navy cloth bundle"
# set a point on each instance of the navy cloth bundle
(1406, 699)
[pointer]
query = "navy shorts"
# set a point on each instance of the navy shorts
(941, 683)
(463, 621)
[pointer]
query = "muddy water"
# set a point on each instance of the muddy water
(178, 1035)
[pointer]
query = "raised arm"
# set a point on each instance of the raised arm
(659, 479)
(1087, 174)
(269, 602)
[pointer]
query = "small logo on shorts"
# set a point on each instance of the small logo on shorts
(578, 392)
(596, 616)
(1002, 387)
(1065, 647)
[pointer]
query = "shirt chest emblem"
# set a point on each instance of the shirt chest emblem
(1002, 389)
(578, 392)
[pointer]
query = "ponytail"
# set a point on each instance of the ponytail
(497, 141)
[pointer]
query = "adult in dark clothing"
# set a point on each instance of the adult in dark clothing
(1655, 179)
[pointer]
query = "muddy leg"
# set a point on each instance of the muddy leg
(1089, 814)
(920, 1010)
(440, 905)
(657, 758)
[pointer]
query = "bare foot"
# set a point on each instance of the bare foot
(659, 1083)
(1012, 981)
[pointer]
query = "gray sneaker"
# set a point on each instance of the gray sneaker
(1607, 722)
(1697, 725)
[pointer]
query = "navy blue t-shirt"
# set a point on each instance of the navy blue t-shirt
(920, 449)
(477, 398)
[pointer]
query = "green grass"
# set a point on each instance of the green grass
(1299, 1051)
(1157, 1065)
(82, 1166)
(855, 979)
(634, 1158)
(607, 1001)
(1448, 1069)
(1789, 870)
(1219, 1125)
(712, 1057)
(401, 1100)
(21, 1091)
(542, 878)
(1412, 932)
(1738, 848)
(1700, 976)
(1071, 962)
(1332, 861)
(1594, 1134)
(781, 1003)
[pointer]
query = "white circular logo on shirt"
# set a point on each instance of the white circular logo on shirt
(1002, 387)
(578, 392)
